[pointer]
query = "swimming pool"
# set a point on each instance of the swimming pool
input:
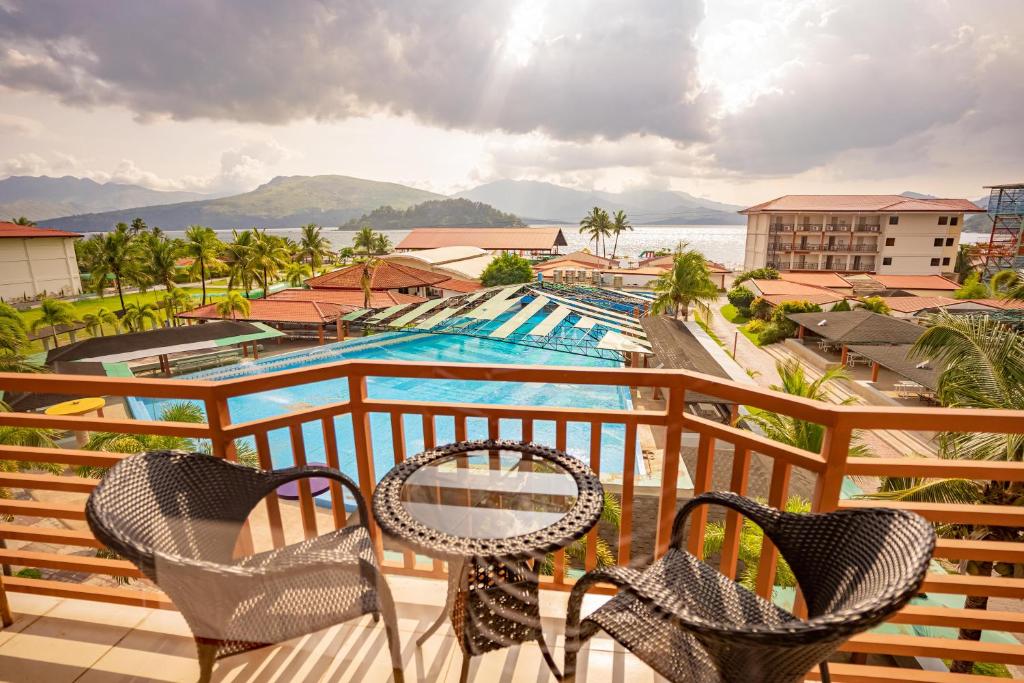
(427, 348)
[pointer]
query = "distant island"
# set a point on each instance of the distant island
(436, 212)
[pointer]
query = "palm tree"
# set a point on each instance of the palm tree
(789, 430)
(751, 540)
(364, 239)
(598, 225)
(297, 272)
(24, 437)
(161, 260)
(1008, 284)
(203, 247)
(972, 288)
(176, 301)
(366, 279)
(687, 282)
(114, 255)
(620, 224)
(238, 254)
(267, 254)
(53, 313)
(982, 365)
(611, 514)
(21, 220)
(875, 304)
(234, 303)
(13, 331)
(136, 314)
(381, 244)
(313, 246)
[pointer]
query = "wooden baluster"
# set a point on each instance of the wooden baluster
(398, 449)
(306, 509)
(733, 522)
(331, 452)
(528, 431)
(273, 504)
(429, 440)
(460, 427)
(777, 492)
(670, 466)
(701, 484)
(560, 441)
(218, 416)
(6, 618)
(626, 501)
(493, 428)
(590, 559)
(361, 437)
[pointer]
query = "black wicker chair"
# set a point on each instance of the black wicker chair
(177, 517)
(691, 623)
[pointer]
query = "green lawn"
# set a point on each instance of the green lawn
(730, 313)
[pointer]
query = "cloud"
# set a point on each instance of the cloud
(573, 69)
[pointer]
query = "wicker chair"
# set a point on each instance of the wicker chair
(177, 516)
(691, 623)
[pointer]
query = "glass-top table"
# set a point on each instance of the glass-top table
(493, 509)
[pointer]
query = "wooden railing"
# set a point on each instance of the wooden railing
(827, 468)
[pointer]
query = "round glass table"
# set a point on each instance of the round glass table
(494, 510)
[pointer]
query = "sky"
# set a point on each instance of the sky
(738, 101)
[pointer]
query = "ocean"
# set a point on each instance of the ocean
(721, 243)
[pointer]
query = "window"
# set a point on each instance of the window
(945, 261)
(943, 220)
(937, 242)
(953, 220)
(949, 241)
(935, 261)
(890, 241)
(894, 220)
(887, 261)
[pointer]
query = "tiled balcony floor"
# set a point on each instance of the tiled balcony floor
(56, 641)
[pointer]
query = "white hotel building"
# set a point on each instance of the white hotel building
(856, 233)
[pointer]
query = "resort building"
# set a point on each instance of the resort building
(300, 319)
(530, 242)
(856, 233)
(777, 291)
(392, 276)
(36, 262)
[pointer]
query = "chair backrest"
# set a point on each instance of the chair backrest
(181, 504)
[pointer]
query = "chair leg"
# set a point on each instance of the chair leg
(387, 610)
(464, 673)
(207, 656)
(825, 676)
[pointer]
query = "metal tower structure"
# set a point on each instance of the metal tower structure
(1006, 211)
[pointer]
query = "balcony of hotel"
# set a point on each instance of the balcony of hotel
(71, 616)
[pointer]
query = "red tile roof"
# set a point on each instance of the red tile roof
(456, 284)
(831, 280)
(913, 304)
(785, 287)
(820, 299)
(936, 282)
(28, 231)
(485, 238)
(276, 311)
(349, 299)
(861, 202)
(569, 264)
(580, 257)
(667, 261)
(1009, 304)
(383, 275)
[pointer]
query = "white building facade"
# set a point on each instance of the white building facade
(37, 262)
(856, 233)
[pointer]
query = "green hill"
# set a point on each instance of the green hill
(436, 212)
(284, 202)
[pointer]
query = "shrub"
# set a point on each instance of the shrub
(760, 308)
(875, 304)
(843, 305)
(771, 334)
(756, 274)
(756, 325)
(741, 297)
(786, 326)
(506, 269)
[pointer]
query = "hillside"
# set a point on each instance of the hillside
(437, 212)
(539, 202)
(284, 202)
(43, 197)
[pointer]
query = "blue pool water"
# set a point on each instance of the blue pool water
(407, 346)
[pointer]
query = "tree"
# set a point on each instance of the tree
(382, 244)
(1008, 284)
(611, 515)
(202, 246)
(982, 364)
(21, 220)
(768, 273)
(114, 255)
(842, 307)
(964, 265)
(972, 288)
(233, 304)
(313, 246)
(53, 313)
(136, 314)
(620, 224)
(751, 540)
(161, 260)
(875, 304)
(597, 225)
(23, 437)
(687, 283)
(741, 297)
(238, 254)
(296, 273)
(364, 240)
(506, 269)
(13, 330)
(268, 255)
(95, 321)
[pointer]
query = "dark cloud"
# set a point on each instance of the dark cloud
(579, 68)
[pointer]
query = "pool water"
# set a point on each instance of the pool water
(424, 348)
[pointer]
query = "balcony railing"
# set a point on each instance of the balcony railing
(781, 227)
(826, 468)
(869, 228)
(810, 227)
(837, 227)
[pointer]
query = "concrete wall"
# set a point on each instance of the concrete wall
(914, 244)
(41, 265)
(756, 252)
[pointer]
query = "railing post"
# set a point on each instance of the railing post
(670, 464)
(835, 448)
(364, 450)
(6, 618)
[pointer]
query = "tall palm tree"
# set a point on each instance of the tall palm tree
(53, 313)
(598, 225)
(268, 255)
(232, 305)
(982, 365)
(21, 220)
(115, 255)
(364, 240)
(1008, 284)
(203, 247)
(161, 256)
(688, 282)
(313, 246)
(238, 255)
(136, 314)
(297, 272)
(382, 244)
(13, 330)
(620, 224)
